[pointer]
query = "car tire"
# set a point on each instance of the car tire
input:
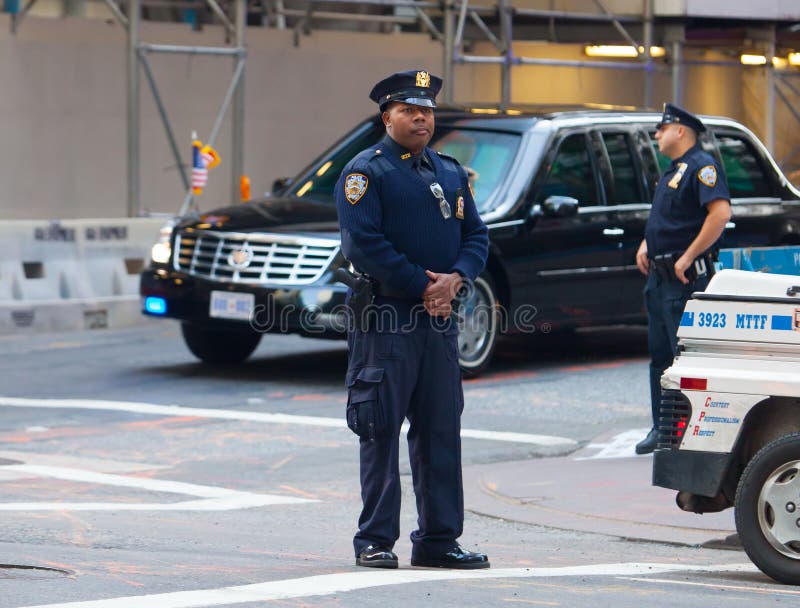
(479, 325)
(768, 509)
(220, 346)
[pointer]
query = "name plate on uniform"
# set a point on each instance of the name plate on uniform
(231, 305)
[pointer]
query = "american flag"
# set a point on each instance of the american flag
(200, 162)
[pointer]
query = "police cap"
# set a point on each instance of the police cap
(417, 87)
(674, 114)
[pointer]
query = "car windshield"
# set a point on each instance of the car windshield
(487, 155)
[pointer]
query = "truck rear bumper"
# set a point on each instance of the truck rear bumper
(696, 472)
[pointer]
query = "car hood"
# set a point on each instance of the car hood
(281, 215)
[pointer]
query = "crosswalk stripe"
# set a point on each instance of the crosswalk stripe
(179, 410)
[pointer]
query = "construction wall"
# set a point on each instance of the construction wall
(63, 99)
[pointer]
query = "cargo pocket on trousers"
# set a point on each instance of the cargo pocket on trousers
(365, 417)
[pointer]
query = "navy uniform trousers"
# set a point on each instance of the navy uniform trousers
(415, 375)
(665, 300)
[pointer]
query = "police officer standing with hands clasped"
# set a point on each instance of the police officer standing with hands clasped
(690, 209)
(409, 223)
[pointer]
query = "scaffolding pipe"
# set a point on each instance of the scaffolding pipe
(770, 118)
(617, 25)
(486, 31)
(118, 14)
(528, 12)
(449, 51)
(237, 122)
(291, 12)
(430, 25)
(16, 18)
(162, 112)
(462, 18)
(134, 17)
(392, 3)
(551, 62)
(217, 10)
(191, 50)
(508, 53)
(226, 102)
(647, 57)
(677, 72)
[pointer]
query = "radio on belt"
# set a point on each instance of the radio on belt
(730, 413)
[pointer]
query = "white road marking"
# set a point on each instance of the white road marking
(329, 584)
(98, 465)
(216, 499)
(774, 590)
(178, 410)
(620, 446)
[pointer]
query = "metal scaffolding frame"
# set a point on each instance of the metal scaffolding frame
(450, 22)
(138, 55)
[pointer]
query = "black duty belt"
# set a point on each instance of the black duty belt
(381, 289)
(664, 265)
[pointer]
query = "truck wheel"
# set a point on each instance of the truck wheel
(478, 330)
(221, 346)
(768, 509)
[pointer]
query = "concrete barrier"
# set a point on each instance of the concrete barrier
(84, 274)
(73, 274)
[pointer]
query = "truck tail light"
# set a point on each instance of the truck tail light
(674, 420)
(694, 384)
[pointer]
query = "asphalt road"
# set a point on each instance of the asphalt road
(130, 471)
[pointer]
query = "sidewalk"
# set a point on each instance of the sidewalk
(603, 488)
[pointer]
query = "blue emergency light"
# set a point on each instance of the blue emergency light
(155, 306)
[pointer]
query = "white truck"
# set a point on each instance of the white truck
(730, 416)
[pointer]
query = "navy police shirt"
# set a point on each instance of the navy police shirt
(391, 223)
(679, 205)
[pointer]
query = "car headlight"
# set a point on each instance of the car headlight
(162, 250)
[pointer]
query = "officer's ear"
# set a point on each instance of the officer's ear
(385, 117)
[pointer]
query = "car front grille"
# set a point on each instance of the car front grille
(255, 259)
(674, 420)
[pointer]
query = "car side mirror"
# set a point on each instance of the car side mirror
(560, 206)
(280, 184)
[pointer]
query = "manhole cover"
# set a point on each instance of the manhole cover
(22, 571)
(7, 461)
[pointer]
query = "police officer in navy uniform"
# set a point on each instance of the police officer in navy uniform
(409, 222)
(690, 209)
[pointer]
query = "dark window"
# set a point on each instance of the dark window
(571, 173)
(318, 182)
(624, 188)
(663, 160)
(488, 154)
(746, 177)
(651, 168)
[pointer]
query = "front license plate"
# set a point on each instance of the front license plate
(231, 305)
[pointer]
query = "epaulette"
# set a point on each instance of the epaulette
(448, 157)
(365, 156)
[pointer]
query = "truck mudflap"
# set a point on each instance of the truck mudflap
(696, 472)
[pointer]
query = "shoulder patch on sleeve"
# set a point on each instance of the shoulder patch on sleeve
(708, 175)
(355, 186)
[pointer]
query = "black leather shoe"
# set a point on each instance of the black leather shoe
(456, 558)
(649, 443)
(376, 556)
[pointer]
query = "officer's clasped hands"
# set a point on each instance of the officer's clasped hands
(440, 292)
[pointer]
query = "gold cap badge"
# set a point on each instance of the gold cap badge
(423, 79)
